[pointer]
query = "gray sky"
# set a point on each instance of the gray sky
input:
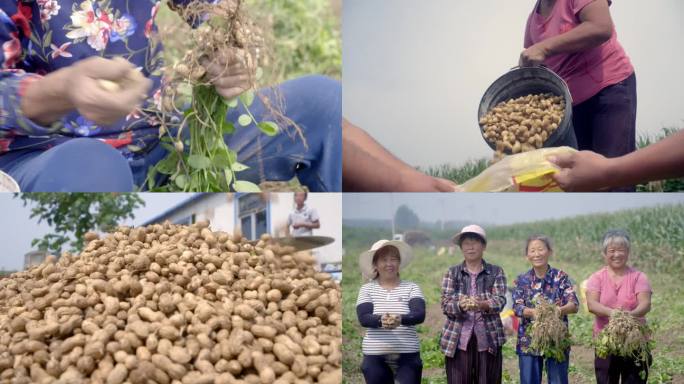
(414, 71)
(17, 230)
(496, 208)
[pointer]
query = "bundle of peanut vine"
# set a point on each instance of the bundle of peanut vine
(548, 333)
(204, 163)
(624, 336)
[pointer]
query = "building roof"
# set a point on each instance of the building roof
(191, 200)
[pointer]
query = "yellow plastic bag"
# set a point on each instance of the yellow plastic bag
(524, 172)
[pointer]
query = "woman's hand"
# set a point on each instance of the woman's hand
(82, 87)
(102, 104)
(390, 321)
(483, 305)
(529, 312)
(413, 180)
(581, 171)
(468, 303)
(231, 72)
(595, 28)
(534, 55)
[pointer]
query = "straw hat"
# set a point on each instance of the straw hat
(366, 258)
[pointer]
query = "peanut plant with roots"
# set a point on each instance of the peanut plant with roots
(200, 160)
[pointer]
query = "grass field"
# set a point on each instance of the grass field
(658, 249)
(303, 37)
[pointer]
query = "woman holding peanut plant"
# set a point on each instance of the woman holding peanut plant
(389, 308)
(543, 288)
(618, 289)
(473, 296)
(81, 102)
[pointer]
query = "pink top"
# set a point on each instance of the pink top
(586, 72)
(621, 295)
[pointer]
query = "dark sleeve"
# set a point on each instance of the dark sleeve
(416, 313)
(176, 6)
(182, 3)
(13, 83)
(364, 312)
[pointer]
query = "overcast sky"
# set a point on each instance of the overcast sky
(496, 208)
(414, 71)
(17, 230)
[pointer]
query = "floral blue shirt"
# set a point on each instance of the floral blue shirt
(555, 286)
(42, 36)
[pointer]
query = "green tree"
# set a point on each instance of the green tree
(405, 219)
(71, 215)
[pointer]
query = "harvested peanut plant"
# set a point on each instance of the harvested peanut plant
(548, 333)
(625, 336)
(208, 165)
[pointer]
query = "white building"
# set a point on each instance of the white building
(34, 258)
(253, 214)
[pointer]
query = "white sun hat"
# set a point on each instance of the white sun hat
(366, 258)
(473, 228)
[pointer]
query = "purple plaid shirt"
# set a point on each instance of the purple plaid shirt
(473, 324)
(491, 286)
(555, 286)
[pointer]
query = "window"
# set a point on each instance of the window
(187, 220)
(246, 225)
(252, 212)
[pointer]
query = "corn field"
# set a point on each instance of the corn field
(657, 235)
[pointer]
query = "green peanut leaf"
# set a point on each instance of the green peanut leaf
(247, 98)
(237, 167)
(227, 127)
(232, 103)
(245, 186)
(229, 176)
(199, 161)
(269, 128)
(244, 120)
(181, 181)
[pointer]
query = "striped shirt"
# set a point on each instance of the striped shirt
(381, 341)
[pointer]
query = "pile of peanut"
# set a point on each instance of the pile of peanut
(389, 320)
(522, 124)
(171, 304)
(468, 303)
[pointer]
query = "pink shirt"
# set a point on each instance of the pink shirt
(586, 72)
(621, 295)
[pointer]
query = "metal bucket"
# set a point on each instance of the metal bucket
(522, 81)
(7, 183)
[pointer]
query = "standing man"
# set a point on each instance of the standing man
(304, 219)
(473, 295)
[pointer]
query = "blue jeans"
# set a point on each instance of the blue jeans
(531, 369)
(314, 103)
